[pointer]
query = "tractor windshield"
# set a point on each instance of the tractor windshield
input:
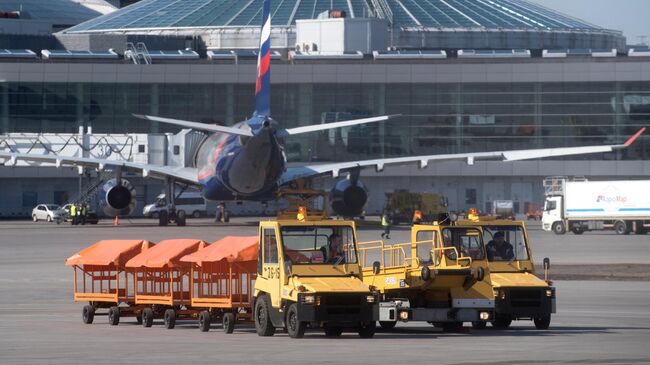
(505, 243)
(319, 244)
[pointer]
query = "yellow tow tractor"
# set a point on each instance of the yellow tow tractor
(309, 276)
(518, 293)
(428, 280)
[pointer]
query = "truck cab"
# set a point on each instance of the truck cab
(552, 219)
(309, 276)
(518, 293)
(428, 279)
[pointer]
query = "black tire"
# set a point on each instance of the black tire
(387, 325)
(295, 328)
(34, 218)
(147, 317)
(170, 319)
(226, 217)
(620, 227)
(558, 228)
(542, 323)
(204, 321)
(138, 318)
(367, 330)
(263, 324)
(49, 219)
(333, 331)
(88, 314)
(181, 218)
(577, 230)
(196, 214)
(163, 218)
(228, 322)
(114, 316)
(479, 325)
(502, 322)
(155, 215)
(452, 326)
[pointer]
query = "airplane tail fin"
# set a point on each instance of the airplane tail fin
(263, 85)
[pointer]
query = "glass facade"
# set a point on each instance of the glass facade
(435, 118)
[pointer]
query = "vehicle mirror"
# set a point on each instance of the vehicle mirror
(547, 263)
(376, 267)
(480, 273)
(426, 273)
(287, 267)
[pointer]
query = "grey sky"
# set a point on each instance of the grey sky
(630, 16)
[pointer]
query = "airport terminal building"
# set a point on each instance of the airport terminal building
(464, 76)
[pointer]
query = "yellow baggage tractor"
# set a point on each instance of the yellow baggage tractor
(428, 280)
(518, 293)
(101, 279)
(222, 280)
(163, 281)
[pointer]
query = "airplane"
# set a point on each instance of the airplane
(246, 161)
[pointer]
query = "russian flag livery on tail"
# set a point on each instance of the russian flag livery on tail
(246, 161)
(263, 84)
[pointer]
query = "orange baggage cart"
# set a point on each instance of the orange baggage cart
(163, 281)
(223, 281)
(101, 278)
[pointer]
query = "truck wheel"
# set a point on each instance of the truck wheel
(479, 325)
(181, 218)
(387, 325)
(170, 319)
(228, 322)
(114, 316)
(621, 228)
(558, 228)
(542, 323)
(295, 328)
(163, 218)
(147, 317)
(501, 322)
(333, 331)
(367, 330)
(577, 230)
(88, 314)
(263, 324)
(204, 321)
(196, 214)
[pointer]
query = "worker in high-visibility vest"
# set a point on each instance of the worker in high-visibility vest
(385, 223)
(417, 216)
(73, 214)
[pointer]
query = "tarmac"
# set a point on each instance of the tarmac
(598, 321)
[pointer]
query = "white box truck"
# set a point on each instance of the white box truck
(579, 205)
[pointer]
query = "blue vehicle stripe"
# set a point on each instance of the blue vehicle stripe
(634, 209)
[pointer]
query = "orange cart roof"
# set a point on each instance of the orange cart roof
(166, 253)
(231, 248)
(107, 252)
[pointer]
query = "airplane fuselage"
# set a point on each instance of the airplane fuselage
(235, 167)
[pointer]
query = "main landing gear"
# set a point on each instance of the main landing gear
(171, 215)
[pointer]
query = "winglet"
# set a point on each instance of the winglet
(634, 137)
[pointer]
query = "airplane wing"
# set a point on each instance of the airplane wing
(326, 126)
(184, 174)
(197, 126)
(335, 169)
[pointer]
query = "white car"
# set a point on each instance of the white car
(47, 212)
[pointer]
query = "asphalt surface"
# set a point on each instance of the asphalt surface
(598, 322)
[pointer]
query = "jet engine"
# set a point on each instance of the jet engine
(117, 198)
(348, 198)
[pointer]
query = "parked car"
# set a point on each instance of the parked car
(191, 202)
(48, 212)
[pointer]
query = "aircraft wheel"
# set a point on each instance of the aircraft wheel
(226, 217)
(181, 218)
(163, 218)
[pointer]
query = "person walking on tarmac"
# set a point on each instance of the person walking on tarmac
(417, 217)
(84, 211)
(385, 223)
(73, 214)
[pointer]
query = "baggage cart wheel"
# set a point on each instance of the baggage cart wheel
(88, 314)
(204, 321)
(542, 323)
(170, 319)
(228, 322)
(501, 322)
(113, 316)
(295, 328)
(147, 317)
(333, 331)
(367, 330)
(387, 325)
(138, 318)
(263, 324)
(479, 325)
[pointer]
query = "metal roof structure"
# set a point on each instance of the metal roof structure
(450, 14)
(62, 12)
